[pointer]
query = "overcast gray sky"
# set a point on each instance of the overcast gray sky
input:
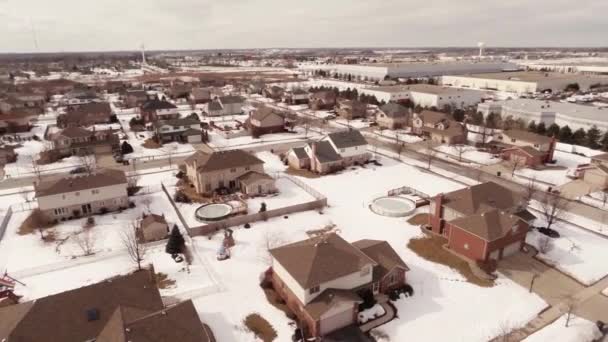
(78, 25)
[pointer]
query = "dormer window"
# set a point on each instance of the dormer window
(314, 289)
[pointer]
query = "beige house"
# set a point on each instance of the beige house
(265, 120)
(153, 227)
(596, 174)
(79, 196)
(439, 128)
(392, 116)
(209, 172)
(256, 183)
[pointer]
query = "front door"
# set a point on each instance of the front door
(376, 288)
(232, 184)
(86, 209)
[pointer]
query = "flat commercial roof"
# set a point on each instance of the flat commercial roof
(421, 88)
(564, 108)
(528, 76)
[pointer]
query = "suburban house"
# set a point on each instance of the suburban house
(16, 121)
(333, 153)
(322, 100)
(529, 149)
(226, 105)
(393, 116)
(481, 222)
(274, 92)
(200, 95)
(87, 114)
(31, 103)
(121, 309)
(351, 109)
(7, 155)
(78, 97)
(84, 195)
(265, 120)
(296, 96)
(596, 174)
(230, 170)
(136, 98)
(185, 130)
(256, 87)
(322, 279)
(153, 110)
(153, 227)
(179, 91)
(439, 128)
(77, 141)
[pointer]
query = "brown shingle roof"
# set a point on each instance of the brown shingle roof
(75, 132)
(252, 176)
(491, 225)
(347, 139)
(481, 198)
(329, 299)
(222, 160)
(106, 177)
(262, 112)
(321, 259)
(431, 117)
(383, 254)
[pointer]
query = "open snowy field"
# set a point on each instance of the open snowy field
(578, 330)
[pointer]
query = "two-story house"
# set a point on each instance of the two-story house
(229, 170)
(16, 121)
(296, 96)
(85, 195)
(30, 103)
(77, 141)
(530, 149)
(274, 92)
(351, 109)
(226, 105)
(481, 222)
(323, 100)
(153, 110)
(393, 116)
(265, 120)
(87, 114)
(322, 279)
(184, 130)
(136, 98)
(350, 145)
(439, 128)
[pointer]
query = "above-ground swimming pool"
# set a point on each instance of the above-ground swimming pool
(213, 212)
(393, 206)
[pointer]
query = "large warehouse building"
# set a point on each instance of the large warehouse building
(521, 82)
(427, 95)
(574, 115)
(378, 71)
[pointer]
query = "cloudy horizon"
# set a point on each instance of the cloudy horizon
(117, 25)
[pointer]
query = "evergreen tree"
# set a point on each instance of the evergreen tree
(532, 126)
(493, 120)
(553, 130)
(604, 141)
(579, 137)
(176, 243)
(593, 137)
(477, 119)
(126, 148)
(541, 129)
(565, 134)
(458, 115)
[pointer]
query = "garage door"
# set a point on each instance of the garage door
(511, 249)
(336, 321)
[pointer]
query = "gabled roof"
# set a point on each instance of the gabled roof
(80, 314)
(431, 117)
(106, 177)
(93, 107)
(321, 259)
(253, 176)
(262, 112)
(394, 110)
(603, 157)
(490, 225)
(528, 150)
(527, 136)
(75, 132)
(214, 105)
(347, 139)
(329, 299)
(222, 160)
(232, 99)
(201, 93)
(176, 122)
(157, 104)
(300, 152)
(481, 198)
(325, 153)
(383, 254)
(326, 96)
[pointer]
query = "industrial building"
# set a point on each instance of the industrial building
(548, 112)
(379, 71)
(427, 95)
(521, 82)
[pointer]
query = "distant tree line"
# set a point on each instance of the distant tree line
(350, 94)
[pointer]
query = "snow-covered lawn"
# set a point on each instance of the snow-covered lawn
(403, 136)
(358, 123)
(469, 153)
(221, 143)
(137, 139)
(441, 294)
(556, 177)
(29, 151)
(576, 252)
(570, 160)
(578, 330)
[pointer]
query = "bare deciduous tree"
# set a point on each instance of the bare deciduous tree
(269, 241)
(88, 162)
(514, 163)
(430, 153)
(531, 189)
(36, 168)
(85, 241)
(570, 303)
(604, 197)
(135, 248)
(170, 151)
(460, 150)
(545, 244)
(553, 208)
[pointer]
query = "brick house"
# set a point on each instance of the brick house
(31, 103)
(77, 141)
(16, 121)
(87, 114)
(393, 116)
(529, 148)
(124, 308)
(153, 110)
(481, 222)
(209, 172)
(323, 278)
(351, 109)
(274, 92)
(84, 195)
(323, 100)
(265, 120)
(439, 128)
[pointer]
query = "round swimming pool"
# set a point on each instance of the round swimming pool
(213, 212)
(393, 206)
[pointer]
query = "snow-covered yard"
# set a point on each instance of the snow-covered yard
(556, 174)
(468, 153)
(578, 330)
(576, 252)
(219, 142)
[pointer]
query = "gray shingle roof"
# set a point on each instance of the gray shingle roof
(347, 139)
(394, 110)
(215, 161)
(106, 177)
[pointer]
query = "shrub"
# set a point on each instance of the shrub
(179, 175)
(181, 197)
(131, 205)
(247, 226)
(260, 327)
(90, 221)
(263, 207)
(368, 300)
(103, 210)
